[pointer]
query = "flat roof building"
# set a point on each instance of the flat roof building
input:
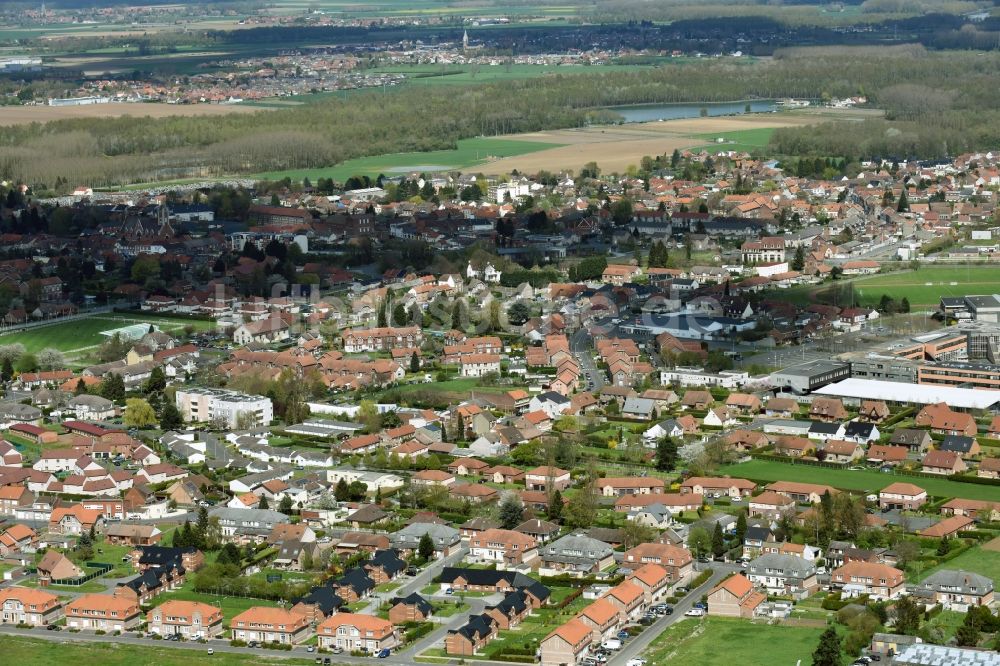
(807, 377)
(204, 405)
(966, 399)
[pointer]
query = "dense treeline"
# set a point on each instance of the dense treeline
(114, 151)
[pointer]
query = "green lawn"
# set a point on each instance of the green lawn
(82, 333)
(927, 285)
(96, 585)
(716, 641)
(742, 140)
(231, 606)
(948, 622)
(447, 608)
(469, 153)
(767, 471)
(34, 652)
(977, 560)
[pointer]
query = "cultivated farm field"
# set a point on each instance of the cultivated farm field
(615, 147)
(470, 153)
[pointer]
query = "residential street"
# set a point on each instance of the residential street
(580, 344)
(634, 647)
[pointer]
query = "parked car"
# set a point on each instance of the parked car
(211, 651)
(337, 649)
(695, 612)
(384, 652)
(647, 620)
(449, 591)
(612, 644)
(622, 635)
(638, 661)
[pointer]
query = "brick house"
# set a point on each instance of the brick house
(630, 485)
(539, 478)
(505, 547)
(412, 608)
(734, 597)
(943, 462)
(22, 605)
(270, 625)
(676, 562)
(356, 632)
(102, 612)
(902, 497)
(189, 619)
(567, 644)
(878, 581)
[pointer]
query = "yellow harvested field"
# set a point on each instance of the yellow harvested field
(615, 147)
(19, 115)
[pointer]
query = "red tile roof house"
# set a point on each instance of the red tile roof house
(567, 644)
(879, 581)
(940, 418)
(476, 493)
(886, 454)
(716, 487)
(842, 451)
(810, 493)
(17, 538)
(102, 612)
(902, 497)
(971, 508)
(355, 632)
(12, 497)
(629, 485)
(503, 547)
(949, 527)
(770, 505)
(540, 477)
(735, 597)
(674, 502)
(189, 619)
(653, 580)
(34, 433)
(629, 599)
(827, 409)
(270, 625)
(602, 617)
(943, 462)
(989, 468)
(676, 562)
(744, 403)
(793, 447)
(433, 477)
(22, 605)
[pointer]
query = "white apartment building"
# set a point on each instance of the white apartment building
(208, 404)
